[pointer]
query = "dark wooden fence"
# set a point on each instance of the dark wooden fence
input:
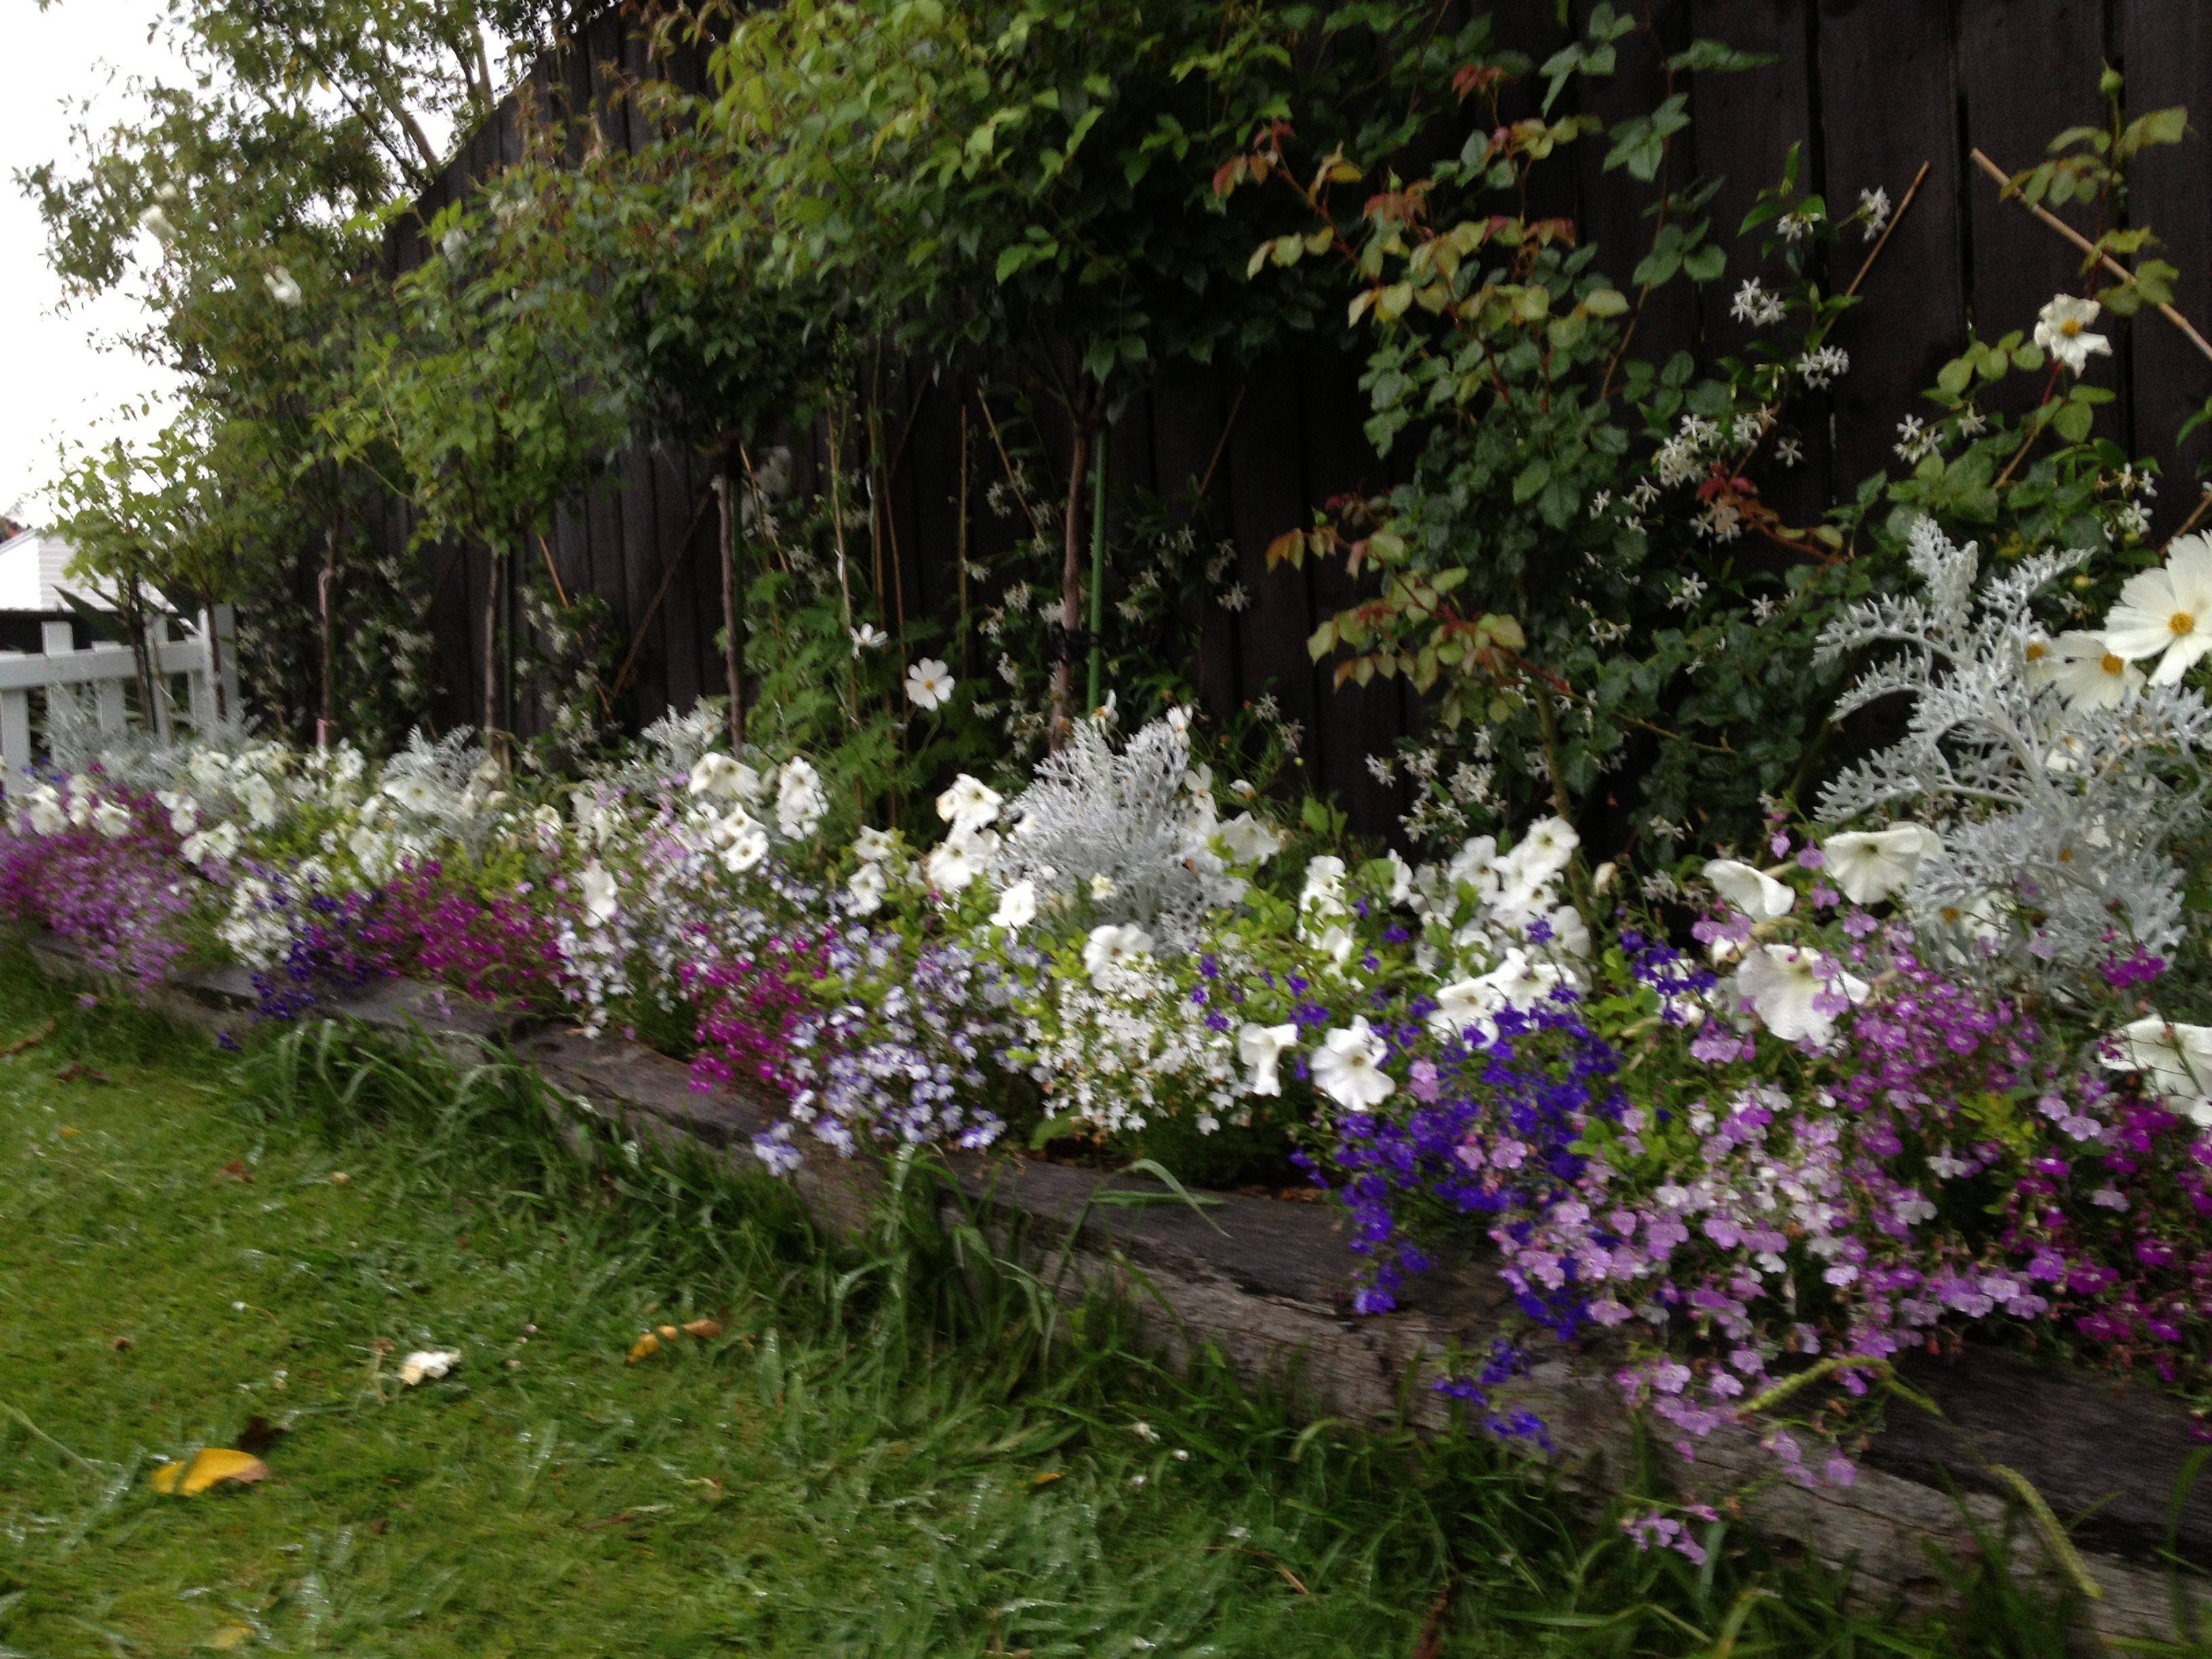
(1870, 89)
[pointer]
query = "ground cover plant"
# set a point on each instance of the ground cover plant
(884, 1449)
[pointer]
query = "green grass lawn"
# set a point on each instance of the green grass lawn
(880, 1454)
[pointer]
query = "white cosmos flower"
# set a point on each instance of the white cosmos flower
(1786, 984)
(1249, 841)
(2175, 1060)
(864, 893)
(746, 847)
(1347, 1067)
(873, 846)
(1754, 892)
(112, 819)
(601, 897)
(282, 287)
(1017, 906)
(2088, 673)
(2061, 329)
(928, 684)
(1260, 1048)
(1870, 866)
(1110, 947)
(969, 801)
(2166, 613)
(868, 637)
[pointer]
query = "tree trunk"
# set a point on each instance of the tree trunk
(141, 655)
(1070, 578)
(733, 644)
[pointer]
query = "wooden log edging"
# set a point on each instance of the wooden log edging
(1269, 1283)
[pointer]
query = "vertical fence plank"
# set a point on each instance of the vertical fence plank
(1268, 497)
(2031, 69)
(1888, 79)
(2166, 56)
(14, 736)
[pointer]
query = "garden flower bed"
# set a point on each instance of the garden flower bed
(1750, 1152)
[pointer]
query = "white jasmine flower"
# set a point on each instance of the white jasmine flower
(864, 893)
(2166, 613)
(601, 897)
(2175, 1060)
(928, 684)
(2062, 330)
(1260, 1048)
(969, 801)
(1017, 906)
(1348, 1067)
(1754, 892)
(2088, 673)
(282, 289)
(1788, 985)
(1874, 205)
(1110, 947)
(1870, 866)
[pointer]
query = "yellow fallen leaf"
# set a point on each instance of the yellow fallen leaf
(70, 1133)
(1045, 1478)
(668, 1332)
(209, 1465)
(704, 1329)
(229, 1638)
(644, 1348)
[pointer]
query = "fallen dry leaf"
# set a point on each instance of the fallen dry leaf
(644, 1348)
(667, 1332)
(229, 1638)
(428, 1363)
(209, 1466)
(704, 1329)
(77, 1070)
(259, 1435)
(238, 1169)
(119, 1343)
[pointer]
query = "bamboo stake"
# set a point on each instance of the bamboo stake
(2090, 247)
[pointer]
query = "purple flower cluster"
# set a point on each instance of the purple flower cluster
(123, 898)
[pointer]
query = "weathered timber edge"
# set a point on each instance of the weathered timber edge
(1269, 1283)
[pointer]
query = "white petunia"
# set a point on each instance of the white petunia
(1475, 864)
(1324, 893)
(1754, 892)
(46, 815)
(969, 802)
(2166, 613)
(2061, 329)
(2088, 673)
(1111, 947)
(1249, 841)
(746, 848)
(2175, 1062)
(928, 684)
(864, 893)
(1544, 850)
(873, 846)
(952, 864)
(601, 897)
(1789, 987)
(1347, 1067)
(1463, 1004)
(800, 802)
(1260, 1048)
(112, 819)
(725, 777)
(1017, 906)
(259, 796)
(1870, 866)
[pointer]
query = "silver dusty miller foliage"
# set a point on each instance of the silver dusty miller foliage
(2058, 823)
(1118, 827)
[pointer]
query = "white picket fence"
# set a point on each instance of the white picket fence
(105, 670)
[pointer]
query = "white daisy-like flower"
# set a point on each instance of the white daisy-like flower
(1870, 866)
(1260, 1048)
(1753, 891)
(1347, 1067)
(1789, 987)
(2062, 328)
(2166, 613)
(928, 684)
(2088, 673)
(1017, 906)
(869, 637)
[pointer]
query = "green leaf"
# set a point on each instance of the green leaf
(1534, 476)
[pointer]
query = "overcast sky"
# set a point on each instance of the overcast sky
(53, 381)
